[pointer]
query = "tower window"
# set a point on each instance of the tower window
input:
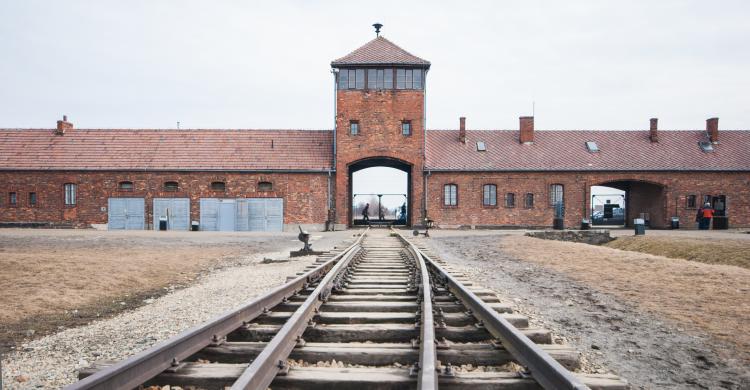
(354, 127)
(406, 128)
(408, 78)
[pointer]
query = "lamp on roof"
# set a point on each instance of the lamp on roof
(377, 26)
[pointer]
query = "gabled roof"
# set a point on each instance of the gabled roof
(565, 150)
(126, 149)
(380, 51)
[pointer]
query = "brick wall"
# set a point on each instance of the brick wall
(304, 194)
(380, 114)
(662, 195)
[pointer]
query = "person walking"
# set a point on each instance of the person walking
(366, 213)
(704, 216)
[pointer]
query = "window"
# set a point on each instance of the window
(360, 84)
(556, 194)
(125, 186)
(450, 195)
(481, 147)
(528, 201)
(409, 79)
(706, 199)
(70, 194)
(510, 200)
(690, 201)
(351, 79)
(171, 186)
(388, 78)
(32, 198)
(218, 186)
(592, 146)
(489, 195)
(12, 199)
(265, 186)
(354, 127)
(406, 128)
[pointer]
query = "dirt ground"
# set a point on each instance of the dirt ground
(705, 247)
(52, 279)
(658, 322)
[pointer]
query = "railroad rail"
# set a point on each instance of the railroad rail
(380, 314)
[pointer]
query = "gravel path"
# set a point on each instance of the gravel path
(53, 361)
(645, 350)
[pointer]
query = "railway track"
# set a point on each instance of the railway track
(380, 314)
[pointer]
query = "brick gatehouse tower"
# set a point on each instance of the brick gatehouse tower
(380, 119)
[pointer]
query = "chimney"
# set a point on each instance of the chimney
(527, 129)
(712, 128)
(462, 130)
(653, 131)
(63, 125)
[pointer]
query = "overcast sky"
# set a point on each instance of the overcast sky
(242, 64)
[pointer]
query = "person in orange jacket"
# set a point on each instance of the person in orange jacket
(704, 216)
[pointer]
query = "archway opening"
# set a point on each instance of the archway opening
(380, 193)
(618, 203)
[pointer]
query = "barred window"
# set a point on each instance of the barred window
(690, 201)
(528, 201)
(510, 200)
(450, 195)
(70, 194)
(171, 186)
(265, 186)
(489, 195)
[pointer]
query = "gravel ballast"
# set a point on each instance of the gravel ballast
(54, 361)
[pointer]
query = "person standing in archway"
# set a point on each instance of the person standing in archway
(704, 216)
(366, 213)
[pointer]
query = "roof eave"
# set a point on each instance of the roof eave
(379, 64)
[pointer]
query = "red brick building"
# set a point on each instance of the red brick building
(278, 179)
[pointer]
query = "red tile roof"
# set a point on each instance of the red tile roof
(166, 149)
(380, 51)
(561, 150)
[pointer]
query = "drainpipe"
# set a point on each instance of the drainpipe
(335, 108)
(424, 194)
(424, 146)
(331, 223)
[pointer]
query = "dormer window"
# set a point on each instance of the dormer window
(481, 147)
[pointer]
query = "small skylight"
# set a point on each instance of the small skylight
(592, 146)
(481, 147)
(706, 146)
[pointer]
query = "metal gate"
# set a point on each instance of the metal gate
(266, 214)
(126, 214)
(217, 214)
(242, 214)
(176, 210)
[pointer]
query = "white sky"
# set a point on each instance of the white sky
(241, 64)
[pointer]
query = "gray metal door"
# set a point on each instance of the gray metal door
(242, 216)
(176, 210)
(266, 214)
(226, 216)
(209, 214)
(126, 214)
